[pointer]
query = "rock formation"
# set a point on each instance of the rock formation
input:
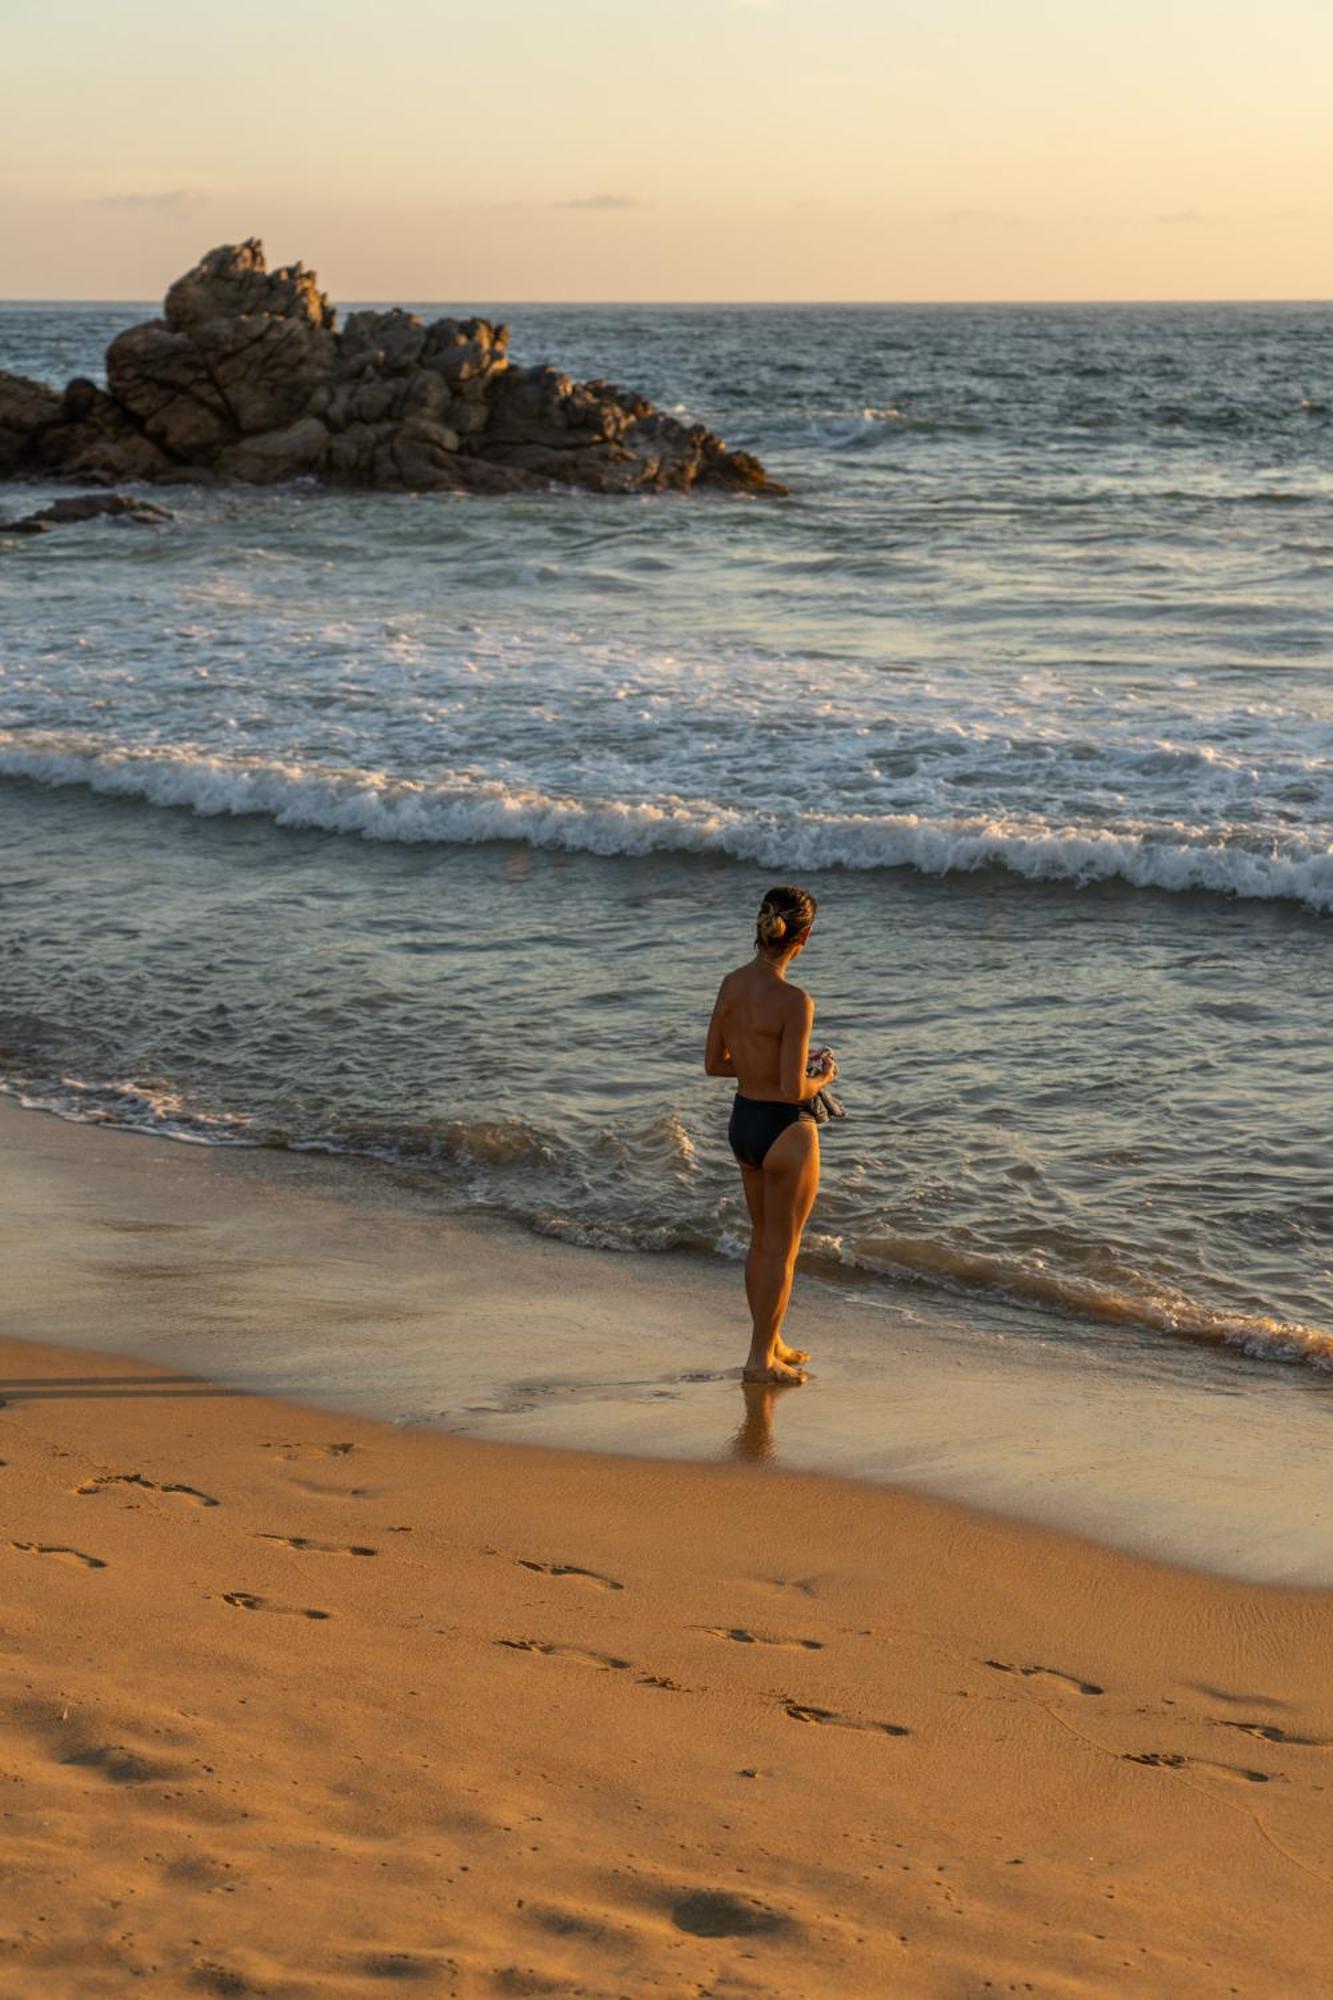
(86, 507)
(247, 377)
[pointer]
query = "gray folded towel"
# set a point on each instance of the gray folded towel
(824, 1105)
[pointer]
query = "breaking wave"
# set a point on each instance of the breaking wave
(1133, 1301)
(460, 808)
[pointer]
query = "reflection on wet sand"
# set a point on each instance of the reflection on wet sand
(754, 1439)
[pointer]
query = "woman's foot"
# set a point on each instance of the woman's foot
(776, 1371)
(793, 1356)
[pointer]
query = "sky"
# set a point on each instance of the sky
(436, 150)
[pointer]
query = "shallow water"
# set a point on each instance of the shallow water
(423, 829)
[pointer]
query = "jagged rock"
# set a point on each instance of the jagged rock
(425, 455)
(470, 416)
(468, 352)
(86, 507)
(612, 440)
(541, 408)
(352, 453)
(247, 377)
(27, 410)
(81, 400)
(159, 377)
(192, 393)
(386, 342)
(293, 453)
(94, 439)
(420, 394)
(234, 282)
(79, 434)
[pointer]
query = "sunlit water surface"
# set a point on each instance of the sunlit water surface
(422, 829)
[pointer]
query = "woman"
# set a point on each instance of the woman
(760, 1034)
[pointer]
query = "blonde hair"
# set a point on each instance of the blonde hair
(785, 914)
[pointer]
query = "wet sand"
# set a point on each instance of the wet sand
(297, 1703)
(343, 1286)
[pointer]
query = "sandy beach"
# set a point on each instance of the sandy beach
(299, 1703)
(553, 564)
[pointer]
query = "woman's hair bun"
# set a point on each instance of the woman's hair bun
(785, 912)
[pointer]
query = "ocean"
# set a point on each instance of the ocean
(421, 829)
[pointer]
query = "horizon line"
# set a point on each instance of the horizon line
(353, 304)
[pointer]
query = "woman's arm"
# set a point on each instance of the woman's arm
(717, 1056)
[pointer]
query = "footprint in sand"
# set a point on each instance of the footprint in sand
(715, 1913)
(121, 1766)
(570, 1569)
(101, 1480)
(210, 1977)
(402, 1965)
(803, 1586)
(246, 1600)
(1238, 1698)
(296, 1449)
(60, 1553)
(740, 1635)
(802, 1711)
(1268, 1732)
(304, 1543)
(607, 1662)
(324, 1491)
(1171, 1760)
(1068, 1681)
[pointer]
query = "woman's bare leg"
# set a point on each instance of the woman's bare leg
(753, 1181)
(791, 1182)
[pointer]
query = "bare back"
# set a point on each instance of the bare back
(763, 1025)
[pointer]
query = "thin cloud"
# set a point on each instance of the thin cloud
(985, 218)
(175, 201)
(598, 201)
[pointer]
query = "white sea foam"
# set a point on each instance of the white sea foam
(461, 808)
(133, 1107)
(1130, 1302)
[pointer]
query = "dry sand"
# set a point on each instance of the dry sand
(298, 1704)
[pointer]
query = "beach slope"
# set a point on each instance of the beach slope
(297, 1704)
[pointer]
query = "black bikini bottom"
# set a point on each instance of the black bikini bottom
(755, 1124)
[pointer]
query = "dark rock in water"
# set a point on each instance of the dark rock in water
(194, 392)
(270, 456)
(28, 410)
(247, 377)
(85, 507)
(80, 435)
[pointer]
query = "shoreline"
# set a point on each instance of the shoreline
(298, 1702)
(342, 1287)
(352, 1703)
